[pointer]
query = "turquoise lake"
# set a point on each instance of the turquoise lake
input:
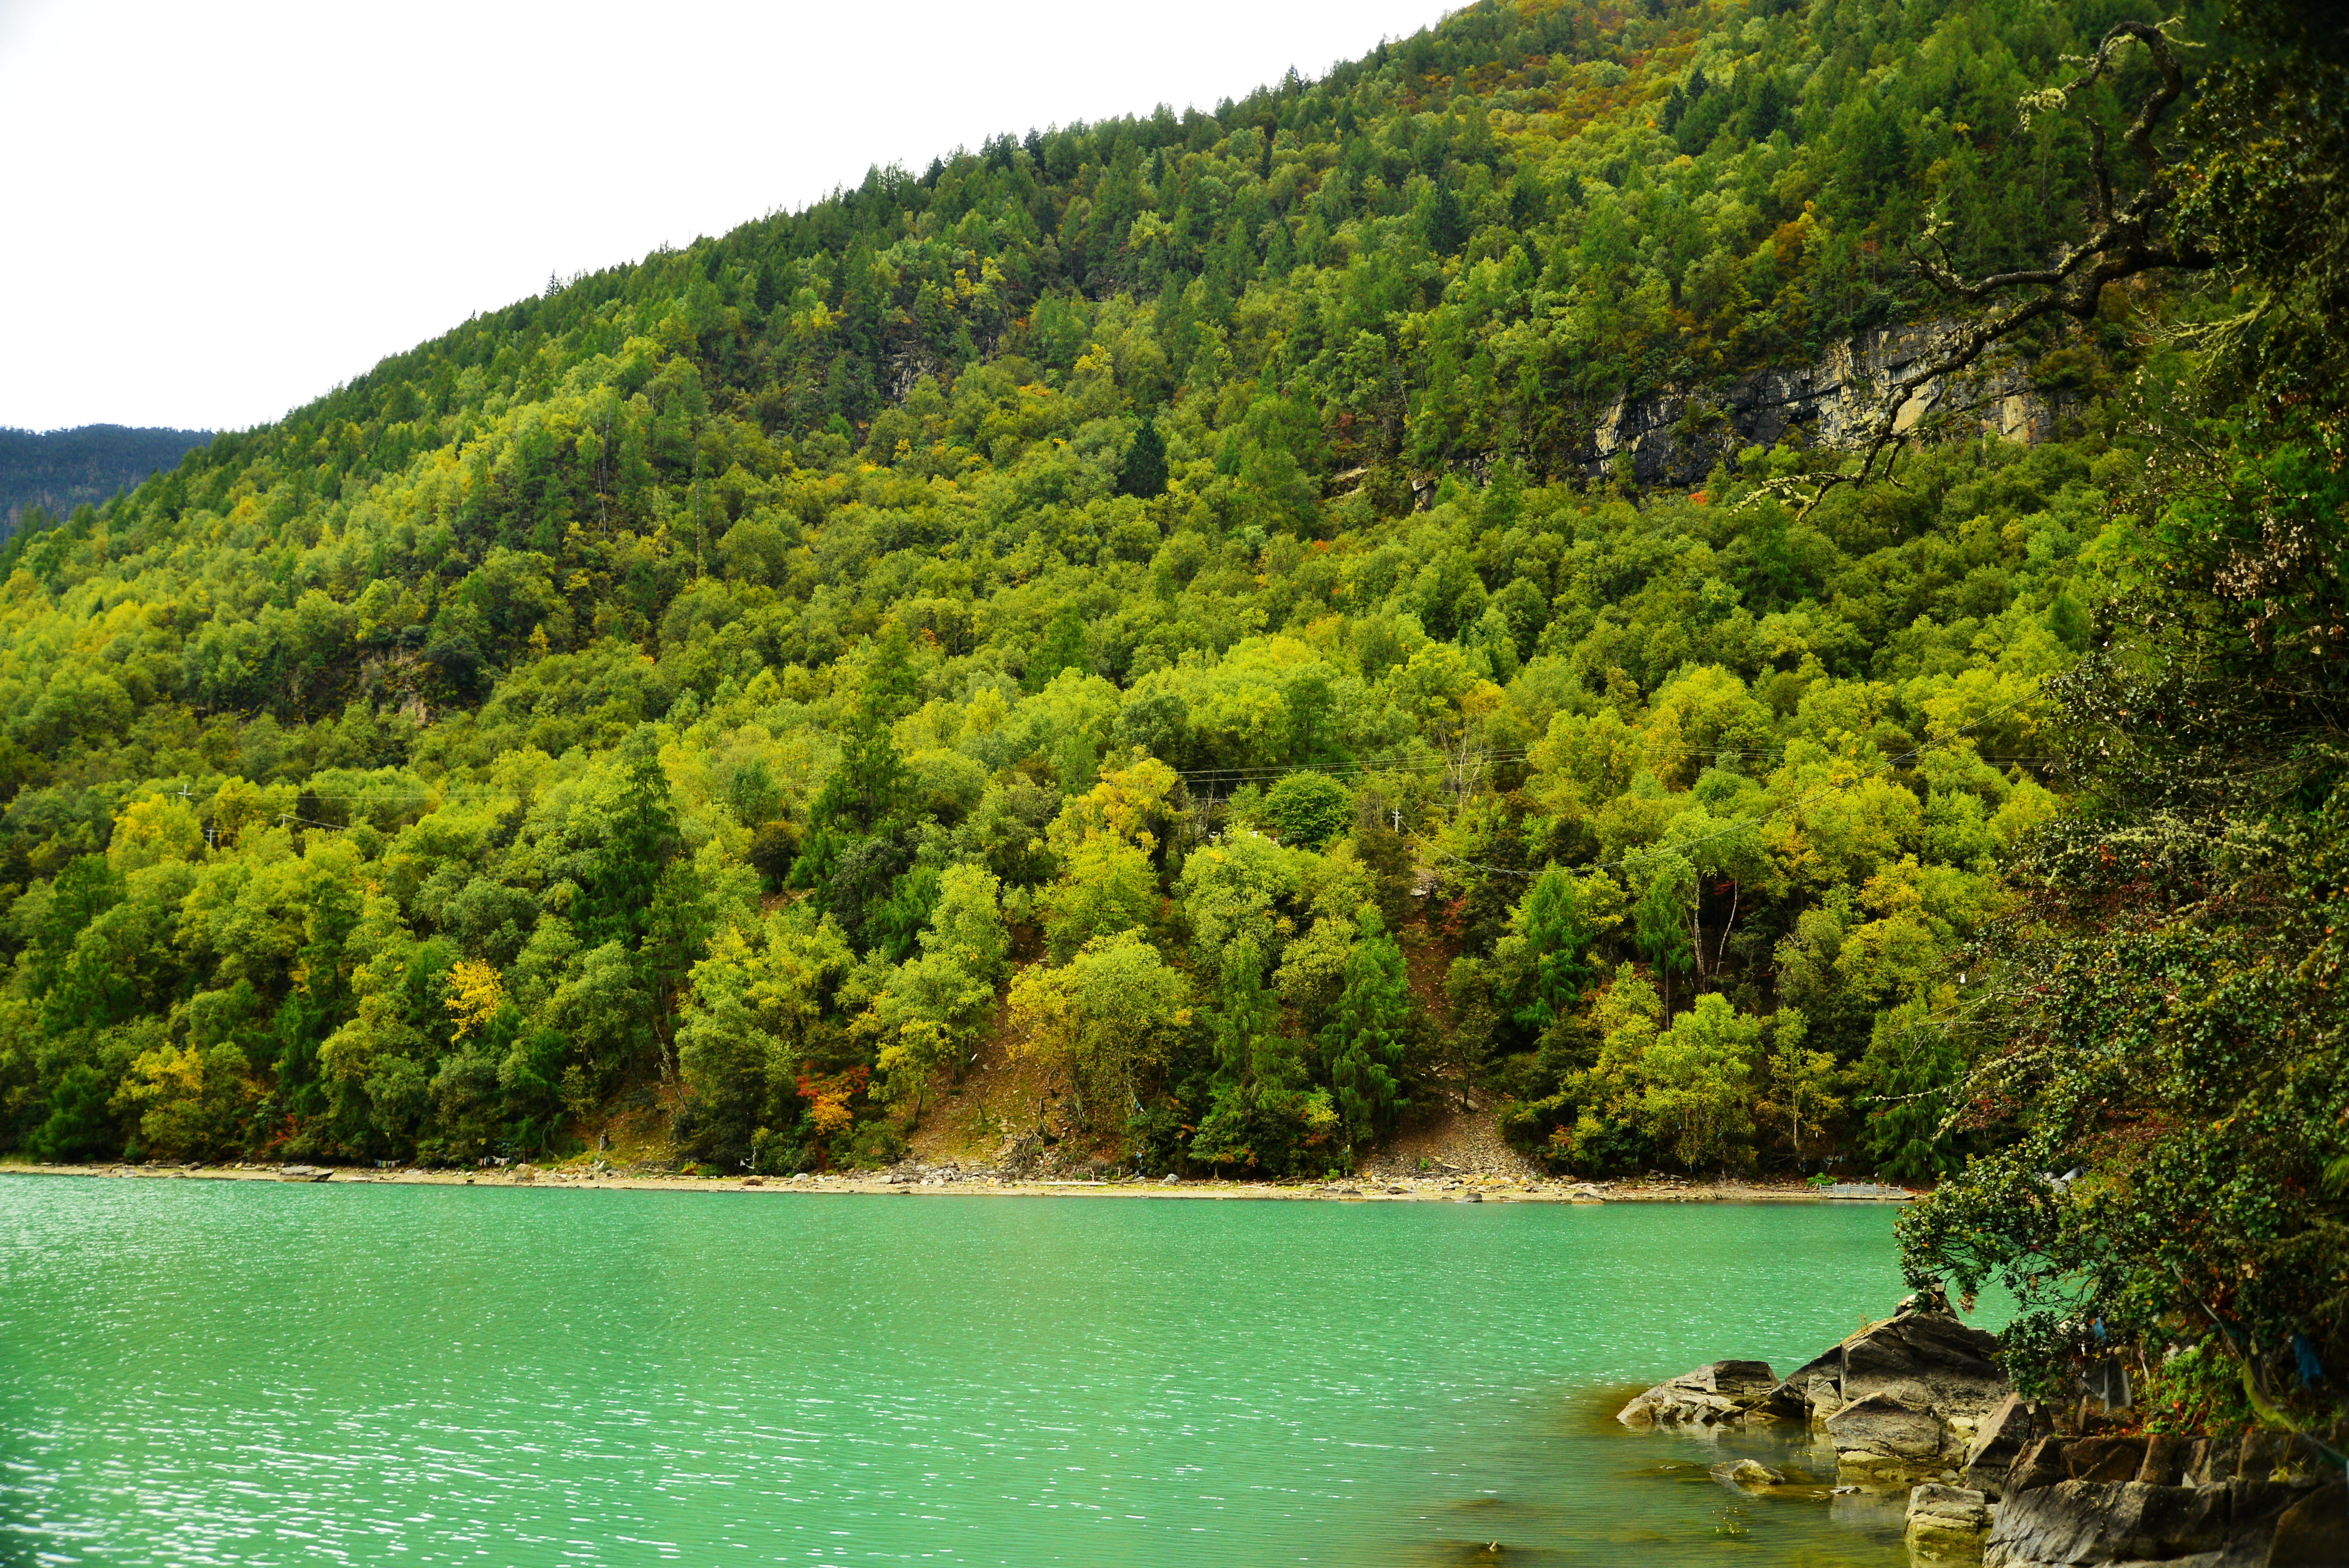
(213, 1372)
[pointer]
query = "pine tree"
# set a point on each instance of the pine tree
(618, 894)
(1244, 1014)
(1442, 222)
(1559, 934)
(1661, 920)
(1365, 1041)
(864, 788)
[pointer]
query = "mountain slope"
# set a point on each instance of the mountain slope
(57, 470)
(990, 565)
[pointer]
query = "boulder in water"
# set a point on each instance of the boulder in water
(1922, 1356)
(1887, 1437)
(1722, 1391)
(1747, 1473)
(1946, 1521)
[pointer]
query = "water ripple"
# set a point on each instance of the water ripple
(262, 1374)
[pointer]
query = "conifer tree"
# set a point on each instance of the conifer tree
(628, 868)
(1365, 1041)
(863, 789)
(1143, 472)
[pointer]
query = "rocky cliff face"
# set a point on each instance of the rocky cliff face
(1677, 435)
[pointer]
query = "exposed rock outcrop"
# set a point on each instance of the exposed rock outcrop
(1675, 435)
(2257, 1501)
(1999, 1440)
(1923, 1355)
(1901, 1399)
(1918, 1399)
(1722, 1391)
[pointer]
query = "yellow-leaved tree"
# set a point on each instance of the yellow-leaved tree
(476, 992)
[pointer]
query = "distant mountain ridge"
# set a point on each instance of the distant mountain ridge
(59, 469)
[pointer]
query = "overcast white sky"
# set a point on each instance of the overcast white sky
(212, 213)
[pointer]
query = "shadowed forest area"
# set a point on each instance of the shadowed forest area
(45, 474)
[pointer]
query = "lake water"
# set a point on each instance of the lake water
(211, 1372)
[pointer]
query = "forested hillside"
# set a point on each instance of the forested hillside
(45, 474)
(1144, 592)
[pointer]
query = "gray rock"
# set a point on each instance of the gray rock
(1927, 1358)
(304, 1173)
(1883, 1438)
(2075, 1523)
(1722, 1391)
(1999, 1440)
(2103, 1460)
(2313, 1530)
(1794, 1397)
(2080, 1502)
(2165, 1459)
(1675, 435)
(1920, 1355)
(1747, 1473)
(1946, 1521)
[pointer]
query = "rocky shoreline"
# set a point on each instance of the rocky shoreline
(1435, 1186)
(1917, 1402)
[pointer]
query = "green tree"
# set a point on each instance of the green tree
(78, 1125)
(1562, 916)
(1663, 917)
(1103, 1022)
(1063, 648)
(1254, 1068)
(1143, 470)
(1364, 1043)
(86, 888)
(1108, 887)
(864, 788)
(933, 1008)
(1800, 1094)
(1697, 1082)
(1443, 223)
(1307, 809)
(623, 877)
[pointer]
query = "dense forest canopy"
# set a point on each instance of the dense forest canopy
(1143, 597)
(45, 474)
